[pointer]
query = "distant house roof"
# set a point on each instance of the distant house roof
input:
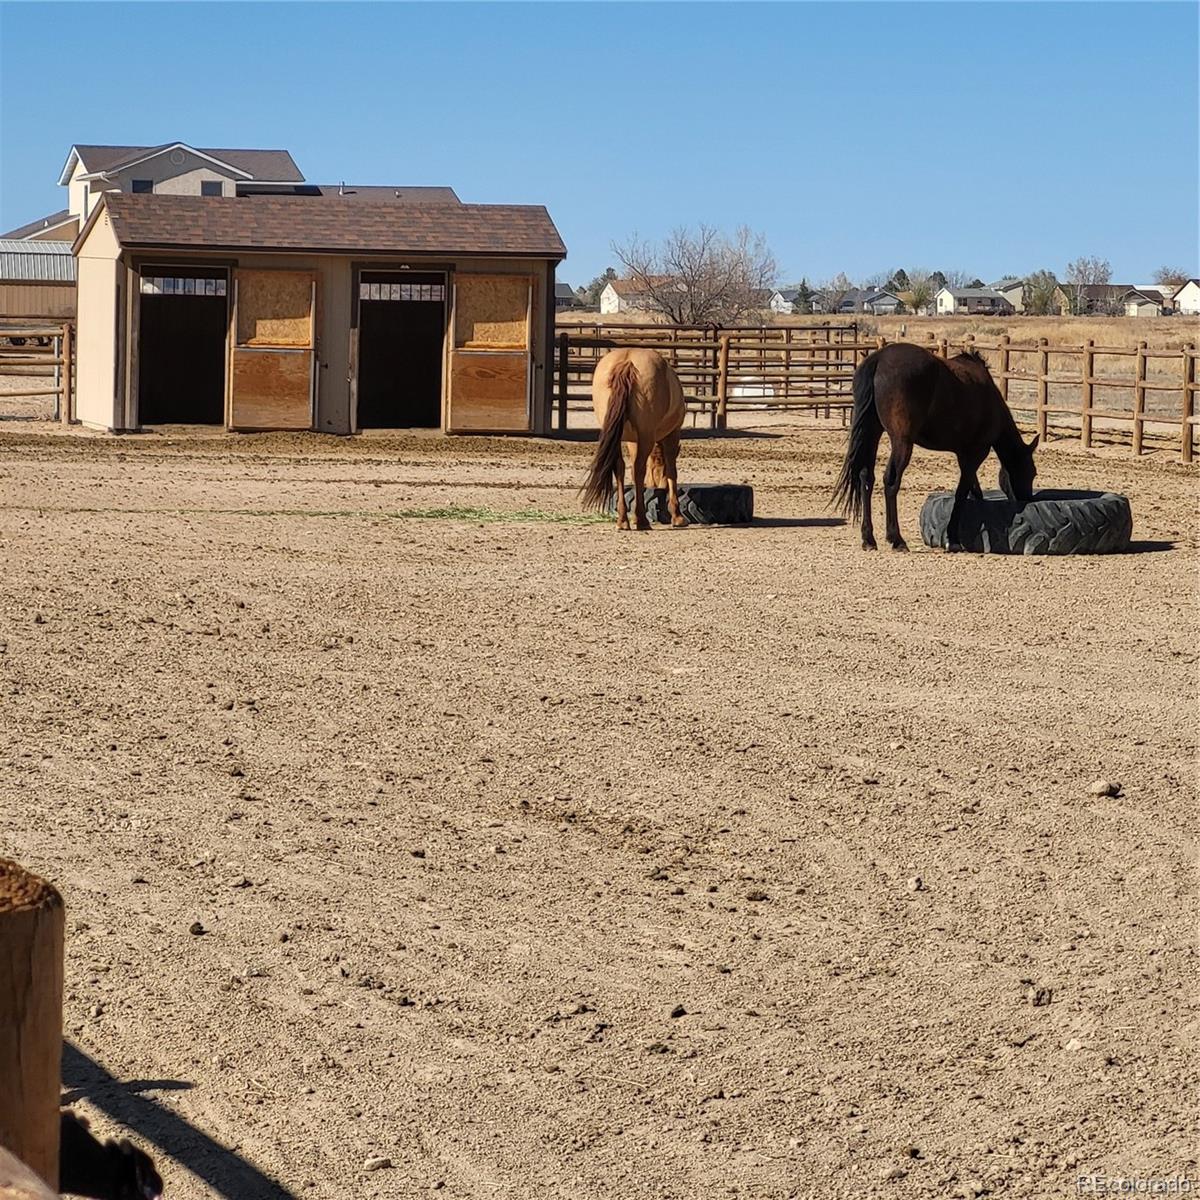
(984, 293)
(1007, 284)
(791, 295)
(62, 217)
(369, 192)
(1097, 291)
(1183, 285)
(254, 164)
(875, 297)
(564, 291)
(631, 287)
(329, 223)
(1136, 295)
(44, 262)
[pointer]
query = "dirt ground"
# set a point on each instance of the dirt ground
(408, 822)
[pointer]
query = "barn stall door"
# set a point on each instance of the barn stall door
(271, 379)
(490, 360)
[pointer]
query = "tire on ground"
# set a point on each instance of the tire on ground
(700, 504)
(1053, 522)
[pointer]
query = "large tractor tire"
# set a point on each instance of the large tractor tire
(1053, 522)
(700, 503)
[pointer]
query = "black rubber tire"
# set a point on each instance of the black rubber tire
(700, 503)
(1053, 522)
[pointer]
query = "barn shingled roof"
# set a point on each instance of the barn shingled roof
(48, 222)
(332, 224)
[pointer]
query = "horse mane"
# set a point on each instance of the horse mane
(972, 353)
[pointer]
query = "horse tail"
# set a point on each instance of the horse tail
(597, 492)
(865, 432)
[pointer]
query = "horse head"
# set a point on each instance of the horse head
(1018, 471)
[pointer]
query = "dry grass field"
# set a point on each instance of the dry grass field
(1168, 333)
(420, 836)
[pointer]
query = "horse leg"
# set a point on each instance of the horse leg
(670, 453)
(866, 485)
(968, 482)
(892, 475)
(639, 484)
(619, 478)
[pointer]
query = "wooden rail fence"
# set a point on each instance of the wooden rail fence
(32, 353)
(774, 368)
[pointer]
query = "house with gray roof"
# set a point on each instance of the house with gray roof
(986, 300)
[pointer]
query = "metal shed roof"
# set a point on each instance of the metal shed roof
(40, 262)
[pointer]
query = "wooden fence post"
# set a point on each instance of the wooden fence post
(564, 350)
(1139, 398)
(66, 393)
(720, 416)
(1189, 402)
(1087, 395)
(943, 348)
(1004, 359)
(31, 988)
(1043, 386)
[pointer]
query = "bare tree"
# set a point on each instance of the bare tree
(956, 279)
(1084, 272)
(920, 291)
(1171, 277)
(834, 291)
(699, 276)
(1038, 294)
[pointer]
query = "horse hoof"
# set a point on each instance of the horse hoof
(900, 545)
(870, 545)
(953, 548)
(623, 526)
(679, 522)
(644, 526)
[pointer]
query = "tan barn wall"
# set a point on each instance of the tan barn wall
(55, 301)
(64, 233)
(96, 348)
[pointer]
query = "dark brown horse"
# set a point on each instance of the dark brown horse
(939, 404)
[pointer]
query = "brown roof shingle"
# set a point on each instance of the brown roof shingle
(276, 165)
(332, 223)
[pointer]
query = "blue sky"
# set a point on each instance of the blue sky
(990, 137)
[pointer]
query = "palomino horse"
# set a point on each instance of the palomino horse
(637, 399)
(940, 404)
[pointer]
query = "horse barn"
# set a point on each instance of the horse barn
(323, 312)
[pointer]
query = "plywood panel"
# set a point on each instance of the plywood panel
(489, 392)
(271, 390)
(492, 311)
(274, 308)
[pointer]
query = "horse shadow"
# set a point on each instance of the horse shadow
(225, 1171)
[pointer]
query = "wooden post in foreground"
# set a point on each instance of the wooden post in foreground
(18, 1182)
(721, 415)
(66, 391)
(1043, 386)
(1189, 402)
(31, 988)
(564, 351)
(1088, 396)
(1139, 396)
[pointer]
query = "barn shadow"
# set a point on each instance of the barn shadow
(225, 1171)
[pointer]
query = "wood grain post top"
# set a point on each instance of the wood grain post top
(22, 891)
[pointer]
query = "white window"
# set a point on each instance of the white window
(173, 285)
(435, 292)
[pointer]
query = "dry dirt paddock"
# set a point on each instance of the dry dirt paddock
(405, 828)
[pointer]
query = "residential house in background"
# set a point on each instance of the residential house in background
(1013, 290)
(882, 304)
(971, 300)
(784, 301)
(1142, 304)
(565, 297)
(1187, 298)
(627, 295)
(849, 301)
(1091, 299)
